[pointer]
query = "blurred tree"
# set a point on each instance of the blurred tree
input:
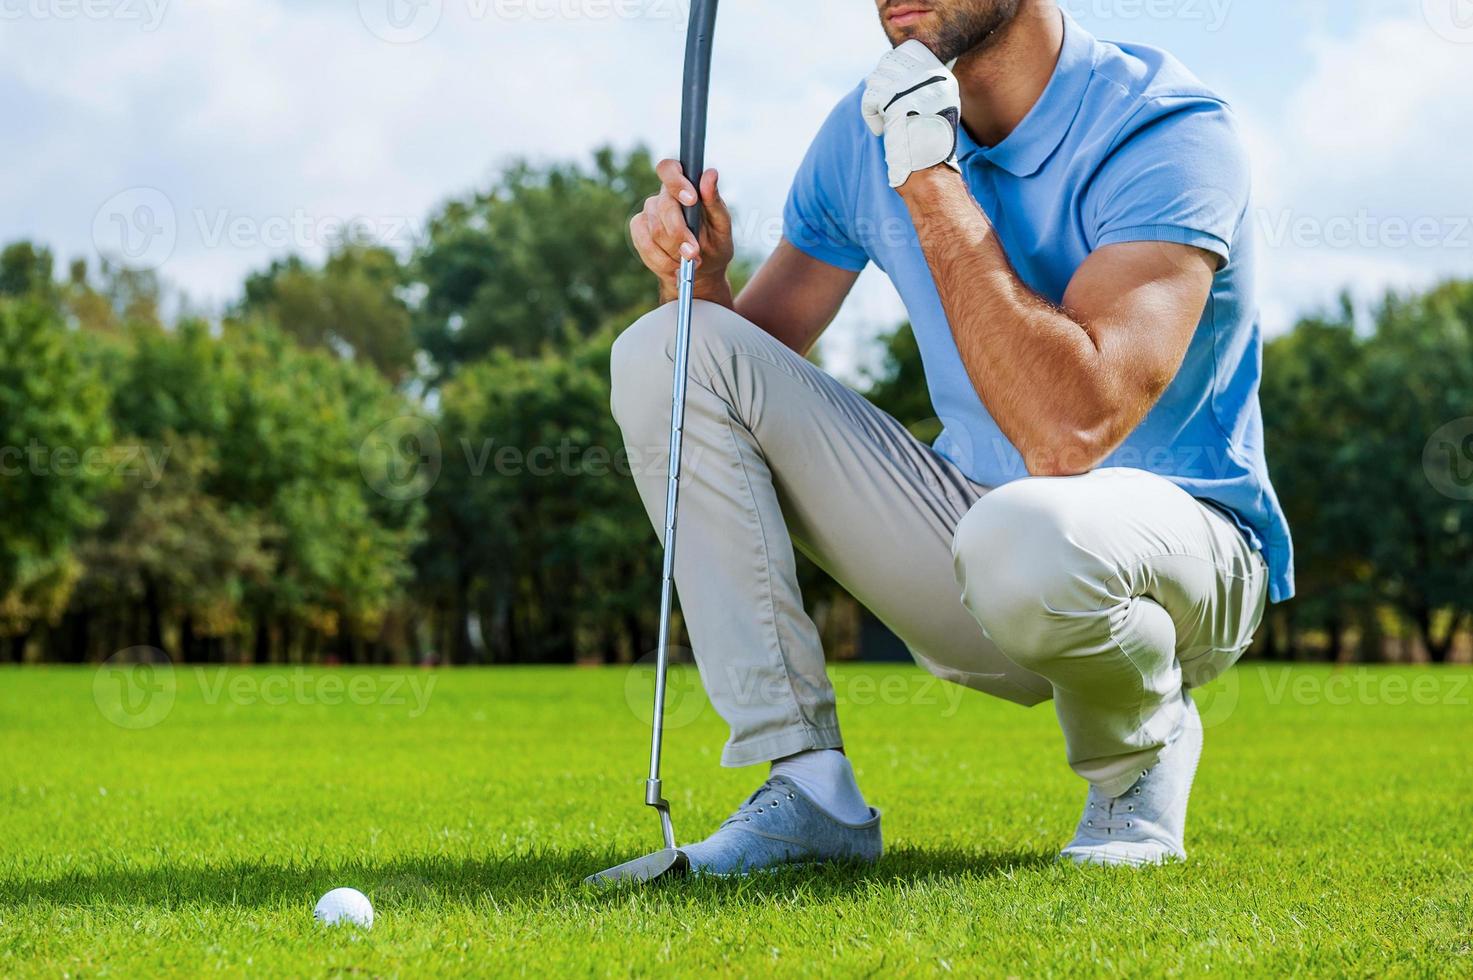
(170, 551)
(286, 428)
(543, 258)
(53, 424)
(536, 521)
(1313, 404)
(352, 306)
(898, 384)
(25, 272)
(297, 507)
(1419, 382)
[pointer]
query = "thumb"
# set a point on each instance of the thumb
(718, 216)
(874, 117)
(923, 56)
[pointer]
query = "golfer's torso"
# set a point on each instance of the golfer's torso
(1040, 226)
(1104, 164)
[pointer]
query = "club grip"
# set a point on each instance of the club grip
(698, 41)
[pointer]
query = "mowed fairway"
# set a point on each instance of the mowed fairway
(1331, 834)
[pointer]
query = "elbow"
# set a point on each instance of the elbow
(1072, 450)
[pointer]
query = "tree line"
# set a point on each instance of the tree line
(387, 457)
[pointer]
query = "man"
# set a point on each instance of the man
(1066, 221)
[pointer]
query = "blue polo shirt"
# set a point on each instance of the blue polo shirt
(1124, 145)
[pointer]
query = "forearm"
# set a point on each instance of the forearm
(794, 297)
(768, 312)
(1040, 372)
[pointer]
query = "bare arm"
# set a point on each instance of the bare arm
(1066, 385)
(793, 297)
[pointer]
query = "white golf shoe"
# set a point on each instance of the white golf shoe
(1147, 823)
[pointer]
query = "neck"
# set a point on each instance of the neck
(1004, 78)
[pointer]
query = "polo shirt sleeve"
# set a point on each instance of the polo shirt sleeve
(1180, 175)
(818, 217)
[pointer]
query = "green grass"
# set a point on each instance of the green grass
(1330, 832)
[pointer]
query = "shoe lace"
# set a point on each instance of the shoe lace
(1114, 814)
(770, 794)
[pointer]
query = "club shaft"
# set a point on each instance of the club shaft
(694, 100)
(685, 308)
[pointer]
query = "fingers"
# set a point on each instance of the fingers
(870, 107)
(652, 255)
(652, 226)
(718, 215)
(660, 233)
(673, 232)
(676, 185)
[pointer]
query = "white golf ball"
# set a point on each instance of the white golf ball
(344, 906)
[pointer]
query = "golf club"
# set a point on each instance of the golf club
(670, 860)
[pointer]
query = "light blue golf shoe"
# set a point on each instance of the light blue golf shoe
(1147, 824)
(777, 826)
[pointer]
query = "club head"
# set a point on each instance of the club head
(669, 863)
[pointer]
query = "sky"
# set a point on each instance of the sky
(205, 137)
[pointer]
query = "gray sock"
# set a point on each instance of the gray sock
(827, 778)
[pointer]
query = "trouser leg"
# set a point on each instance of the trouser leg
(778, 452)
(1121, 590)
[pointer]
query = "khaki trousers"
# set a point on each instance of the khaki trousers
(1108, 593)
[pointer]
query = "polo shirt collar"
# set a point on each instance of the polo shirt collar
(1029, 146)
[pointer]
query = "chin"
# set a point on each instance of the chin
(900, 35)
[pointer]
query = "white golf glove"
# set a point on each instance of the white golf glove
(913, 100)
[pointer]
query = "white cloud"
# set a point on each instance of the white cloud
(1362, 176)
(280, 113)
(289, 113)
